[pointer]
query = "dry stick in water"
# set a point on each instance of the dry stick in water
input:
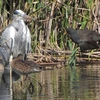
(11, 93)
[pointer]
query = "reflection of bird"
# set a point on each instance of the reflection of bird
(18, 39)
(31, 88)
(86, 39)
(25, 67)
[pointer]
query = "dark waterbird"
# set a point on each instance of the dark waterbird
(25, 67)
(86, 39)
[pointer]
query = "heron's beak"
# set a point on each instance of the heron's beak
(28, 18)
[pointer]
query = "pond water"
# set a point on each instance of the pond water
(79, 83)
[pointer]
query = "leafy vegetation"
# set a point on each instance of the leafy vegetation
(54, 16)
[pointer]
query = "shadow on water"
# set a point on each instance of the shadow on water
(80, 83)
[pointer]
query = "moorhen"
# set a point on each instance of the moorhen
(86, 39)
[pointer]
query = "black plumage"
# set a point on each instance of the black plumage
(86, 39)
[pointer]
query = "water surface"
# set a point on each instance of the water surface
(79, 83)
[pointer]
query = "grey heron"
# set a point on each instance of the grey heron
(17, 35)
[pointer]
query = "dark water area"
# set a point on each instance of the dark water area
(79, 83)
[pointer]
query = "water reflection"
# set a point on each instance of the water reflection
(80, 83)
(4, 92)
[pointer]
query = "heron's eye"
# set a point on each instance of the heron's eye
(17, 13)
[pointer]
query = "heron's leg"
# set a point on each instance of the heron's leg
(24, 57)
(11, 57)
